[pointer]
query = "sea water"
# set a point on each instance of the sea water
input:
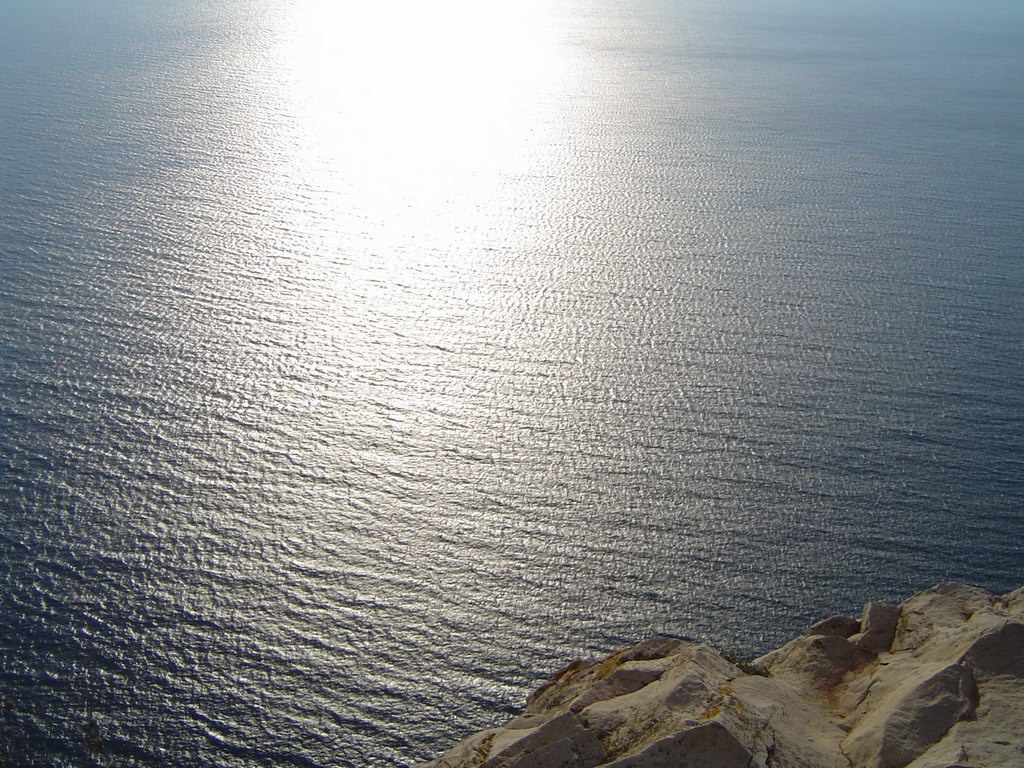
(361, 366)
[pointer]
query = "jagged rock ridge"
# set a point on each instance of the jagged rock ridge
(936, 682)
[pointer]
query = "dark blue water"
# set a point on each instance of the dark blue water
(360, 367)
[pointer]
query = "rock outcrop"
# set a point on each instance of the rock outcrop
(936, 682)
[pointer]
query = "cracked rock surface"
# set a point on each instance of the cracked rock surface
(935, 682)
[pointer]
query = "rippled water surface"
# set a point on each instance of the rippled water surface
(360, 367)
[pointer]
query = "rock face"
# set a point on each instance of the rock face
(936, 682)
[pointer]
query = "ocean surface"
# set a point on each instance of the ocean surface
(361, 364)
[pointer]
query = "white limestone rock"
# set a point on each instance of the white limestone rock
(997, 650)
(470, 752)
(878, 628)
(937, 682)
(707, 745)
(838, 626)
(902, 722)
(994, 737)
(560, 742)
(930, 617)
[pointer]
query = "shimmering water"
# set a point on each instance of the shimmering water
(360, 367)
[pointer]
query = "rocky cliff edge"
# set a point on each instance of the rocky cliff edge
(935, 682)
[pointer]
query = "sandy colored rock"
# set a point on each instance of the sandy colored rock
(708, 745)
(929, 616)
(906, 721)
(935, 682)
(620, 682)
(837, 626)
(820, 660)
(561, 742)
(997, 651)
(878, 628)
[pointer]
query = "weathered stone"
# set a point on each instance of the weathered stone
(470, 752)
(709, 745)
(561, 742)
(694, 684)
(622, 681)
(564, 685)
(526, 721)
(931, 614)
(999, 651)
(949, 691)
(910, 719)
(993, 737)
(561, 753)
(878, 628)
(693, 687)
(798, 728)
(657, 647)
(570, 682)
(835, 626)
(1014, 602)
(822, 660)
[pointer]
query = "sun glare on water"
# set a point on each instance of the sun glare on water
(408, 117)
(406, 159)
